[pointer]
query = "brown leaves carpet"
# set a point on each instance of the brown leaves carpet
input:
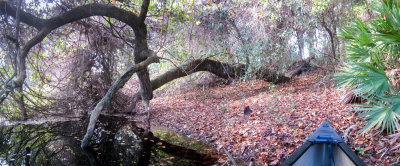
(283, 117)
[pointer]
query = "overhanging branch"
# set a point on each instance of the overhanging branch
(223, 70)
(72, 15)
(27, 18)
(45, 26)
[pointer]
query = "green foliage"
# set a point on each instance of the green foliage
(361, 151)
(369, 79)
(384, 112)
(372, 49)
(319, 6)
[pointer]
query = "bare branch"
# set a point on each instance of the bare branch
(45, 26)
(27, 18)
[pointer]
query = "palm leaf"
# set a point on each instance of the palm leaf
(381, 114)
(370, 50)
(369, 80)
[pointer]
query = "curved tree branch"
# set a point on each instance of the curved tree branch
(27, 18)
(72, 15)
(45, 26)
(223, 70)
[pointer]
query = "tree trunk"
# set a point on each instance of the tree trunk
(312, 36)
(331, 37)
(110, 93)
(141, 53)
(21, 104)
(300, 42)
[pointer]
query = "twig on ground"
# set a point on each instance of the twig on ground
(230, 157)
(346, 136)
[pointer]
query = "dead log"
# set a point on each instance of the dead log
(301, 67)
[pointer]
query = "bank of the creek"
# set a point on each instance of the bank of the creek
(117, 141)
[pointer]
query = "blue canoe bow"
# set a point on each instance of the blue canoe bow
(325, 147)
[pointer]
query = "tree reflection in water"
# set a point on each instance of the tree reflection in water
(116, 141)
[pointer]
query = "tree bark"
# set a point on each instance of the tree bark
(300, 42)
(331, 37)
(110, 93)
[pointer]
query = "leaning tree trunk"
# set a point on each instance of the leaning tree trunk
(46, 26)
(220, 69)
(331, 37)
(110, 93)
(300, 42)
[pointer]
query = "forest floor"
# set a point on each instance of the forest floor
(283, 117)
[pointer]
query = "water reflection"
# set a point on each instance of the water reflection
(116, 141)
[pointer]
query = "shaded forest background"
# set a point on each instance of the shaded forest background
(73, 67)
(69, 58)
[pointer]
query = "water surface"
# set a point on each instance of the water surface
(116, 141)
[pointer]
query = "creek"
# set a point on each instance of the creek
(116, 141)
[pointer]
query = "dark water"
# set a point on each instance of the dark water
(116, 141)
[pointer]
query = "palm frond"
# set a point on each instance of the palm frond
(384, 113)
(369, 80)
(370, 50)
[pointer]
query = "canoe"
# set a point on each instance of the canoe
(324, 147)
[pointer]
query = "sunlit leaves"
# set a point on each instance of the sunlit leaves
(198, 22)
(320, 6)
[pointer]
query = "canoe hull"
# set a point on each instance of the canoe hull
(324, 147)
(318, 154)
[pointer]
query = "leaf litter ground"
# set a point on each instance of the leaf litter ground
(283, 117)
